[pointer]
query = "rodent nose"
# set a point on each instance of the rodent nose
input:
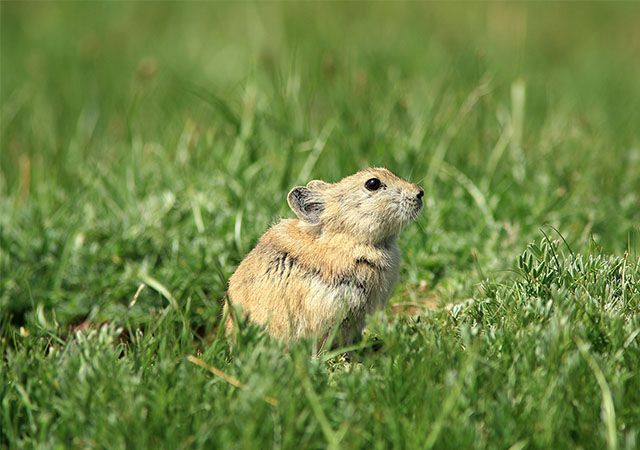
(420, 194)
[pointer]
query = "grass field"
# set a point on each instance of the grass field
(146, 146)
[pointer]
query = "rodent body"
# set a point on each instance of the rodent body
(334, 264)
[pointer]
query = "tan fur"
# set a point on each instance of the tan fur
(334, 264)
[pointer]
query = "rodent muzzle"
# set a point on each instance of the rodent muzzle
(412, 205)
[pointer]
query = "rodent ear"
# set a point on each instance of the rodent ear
(306, 204)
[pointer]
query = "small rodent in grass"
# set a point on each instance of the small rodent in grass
(333, 265)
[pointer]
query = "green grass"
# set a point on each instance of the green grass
(146, 146)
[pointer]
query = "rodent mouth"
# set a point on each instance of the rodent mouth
(410, 210)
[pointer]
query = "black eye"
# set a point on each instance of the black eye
(373, 184)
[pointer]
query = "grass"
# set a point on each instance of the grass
(146, 146)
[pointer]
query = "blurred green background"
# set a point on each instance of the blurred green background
(152, 143)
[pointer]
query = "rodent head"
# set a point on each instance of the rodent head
(372, 205)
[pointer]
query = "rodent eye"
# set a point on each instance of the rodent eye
(373, 184)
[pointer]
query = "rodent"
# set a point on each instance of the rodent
(334, 264)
